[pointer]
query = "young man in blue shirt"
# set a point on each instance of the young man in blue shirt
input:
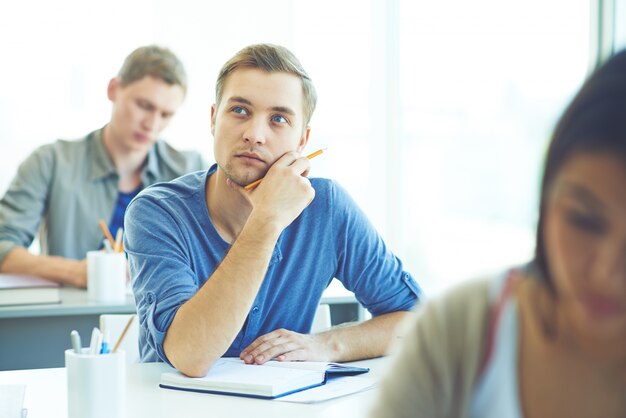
(222, 271)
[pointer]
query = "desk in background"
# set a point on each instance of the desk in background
(46, 396)
(35, 336)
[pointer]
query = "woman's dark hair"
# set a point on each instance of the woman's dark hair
(594, 122)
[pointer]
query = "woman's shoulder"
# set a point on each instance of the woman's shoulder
(438, 356)
(462, 317)
(463, 302)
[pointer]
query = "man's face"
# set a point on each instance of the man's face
(259, 118)
(141, 110)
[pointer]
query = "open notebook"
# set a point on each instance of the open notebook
(231, 376)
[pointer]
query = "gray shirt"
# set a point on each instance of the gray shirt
(62, 189)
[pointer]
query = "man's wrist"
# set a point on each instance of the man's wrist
(64, 270)
(264, 226)
(332, 346)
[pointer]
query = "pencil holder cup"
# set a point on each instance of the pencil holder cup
(96, 384)
(106, 277)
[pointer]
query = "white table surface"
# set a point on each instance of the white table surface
(46, 396)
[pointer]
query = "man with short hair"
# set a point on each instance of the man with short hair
(219, 270)
(62, 189)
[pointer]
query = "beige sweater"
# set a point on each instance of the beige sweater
(436, 365)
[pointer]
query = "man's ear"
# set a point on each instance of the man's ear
(305, 139)
(213, 113)
(112, 88)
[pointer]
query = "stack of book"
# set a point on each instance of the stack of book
(25, 290)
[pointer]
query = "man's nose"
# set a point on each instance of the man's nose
(256, 131)
(152, 122)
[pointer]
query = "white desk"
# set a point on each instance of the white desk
(35, 336)
(46, 397)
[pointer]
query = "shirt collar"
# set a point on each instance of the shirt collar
(151, 169)
(102, 166)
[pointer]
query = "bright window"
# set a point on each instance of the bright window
(620, 24)
(435, 114)
(482, 85)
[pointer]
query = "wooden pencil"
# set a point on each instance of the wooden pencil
(257, 182)
(106, 232)
(118, 241)
(123, 334)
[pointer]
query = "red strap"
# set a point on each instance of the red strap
(495, 316)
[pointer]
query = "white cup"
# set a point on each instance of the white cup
(106, 277)
(96, 384)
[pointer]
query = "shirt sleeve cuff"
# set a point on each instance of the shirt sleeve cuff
(157, 329)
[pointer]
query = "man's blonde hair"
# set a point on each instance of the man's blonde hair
(154, 61)
(270, 58)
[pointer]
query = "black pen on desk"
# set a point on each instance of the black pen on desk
(76, 343)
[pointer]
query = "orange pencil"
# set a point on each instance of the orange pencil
(106, 232)
(118, 241)
(310, 156)
(123, 334)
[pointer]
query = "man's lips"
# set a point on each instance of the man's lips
(250, 156)
(141, 137)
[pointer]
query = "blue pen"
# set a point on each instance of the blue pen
(105, 343)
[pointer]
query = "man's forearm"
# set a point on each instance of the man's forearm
(206, 325)
(363, 340)
(59, 269)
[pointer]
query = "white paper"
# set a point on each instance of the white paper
(334, 388)
(11, 401)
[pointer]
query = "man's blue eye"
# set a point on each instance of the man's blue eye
(240, 110)
(279, 119)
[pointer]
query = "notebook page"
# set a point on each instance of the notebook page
(334, 388)
(234, 375)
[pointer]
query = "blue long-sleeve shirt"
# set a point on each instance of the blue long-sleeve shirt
(174, 248)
